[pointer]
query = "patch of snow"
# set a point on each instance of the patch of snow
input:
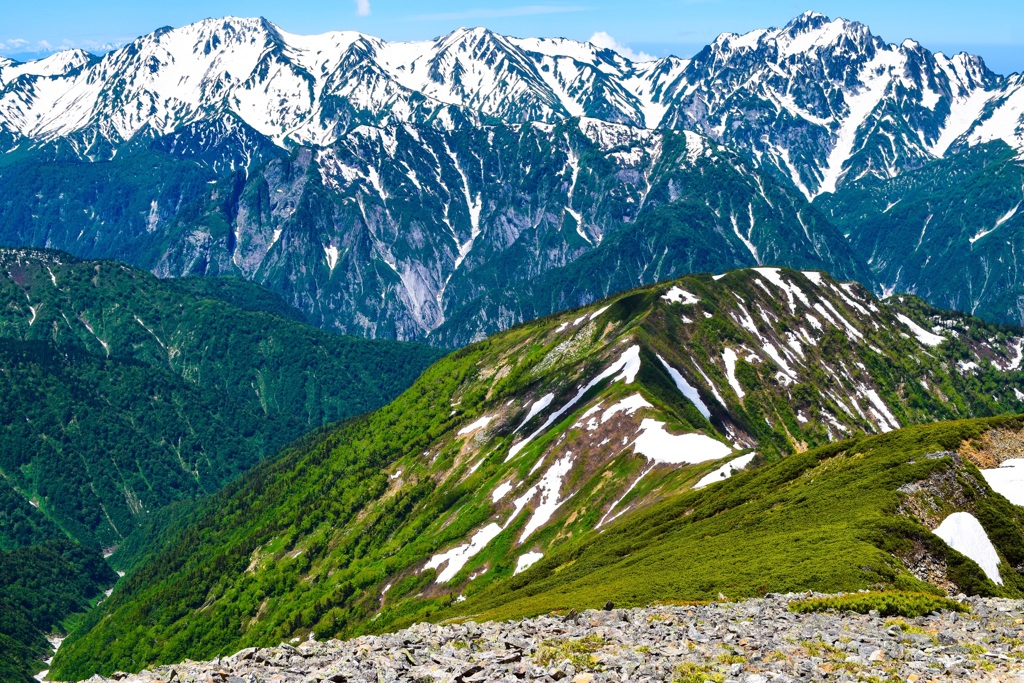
(457, 557)
(332, 256)
(813, 275)
(1008, 479)
(627, 367)
(502, 491)
(880, 406)
(538, 405)
(725, 471)
(628, 405)
(678, 295)
(963, 533)
(967, 366)
(875, 77)
(659, 446)
(599, 312)
(730, 358)
(527, 560)
(550, 487)
(774, 354)
(793, 292)
(686, 389)
(479, 424)
(999, 223)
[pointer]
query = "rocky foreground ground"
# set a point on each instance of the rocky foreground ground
(755, 641)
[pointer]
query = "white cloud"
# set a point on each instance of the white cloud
(13, 44)
(363, 8)
(603, 39)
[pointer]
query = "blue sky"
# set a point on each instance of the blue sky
(992, 28)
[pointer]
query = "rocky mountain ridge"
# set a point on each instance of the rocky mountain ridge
(512, 458)
(446, 189)
(822, 92)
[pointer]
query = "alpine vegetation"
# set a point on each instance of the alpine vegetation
(582, 457)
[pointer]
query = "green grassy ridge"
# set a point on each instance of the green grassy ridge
(813, 521)
(331, 537)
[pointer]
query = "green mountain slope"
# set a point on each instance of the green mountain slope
(537, 438)
(123, 393)
(850, 516)
(40, 587)
(97, 443)
(948, 232)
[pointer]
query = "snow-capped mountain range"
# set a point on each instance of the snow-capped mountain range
(822, 100)
(385, 187)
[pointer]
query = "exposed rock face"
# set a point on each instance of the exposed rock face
(755, 641)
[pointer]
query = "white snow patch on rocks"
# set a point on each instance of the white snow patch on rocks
(730, 358)
(628, 405)
(963, 533)
(501, 491)
(686, 389)
(678, 295)
(538, 405)
(1008, 480)
(479, 424)
(658, 445)
(627, 367)
(457, 557)
(813, 275)
(526, 561)
(924, 336)
(550, 487)
(725, 471)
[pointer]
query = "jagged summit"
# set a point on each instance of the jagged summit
(175, 76)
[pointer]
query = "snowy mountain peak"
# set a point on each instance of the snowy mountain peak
(821, 100)
(57, 64)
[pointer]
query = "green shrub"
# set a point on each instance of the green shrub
(887, 603)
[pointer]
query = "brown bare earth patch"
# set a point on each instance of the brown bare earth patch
(994, 448)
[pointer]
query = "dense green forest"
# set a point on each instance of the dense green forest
(122, 393)
(40, 588)
(122, 396)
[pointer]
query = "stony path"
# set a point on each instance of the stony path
(756, 641)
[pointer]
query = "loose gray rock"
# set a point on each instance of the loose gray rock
(754, 641)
